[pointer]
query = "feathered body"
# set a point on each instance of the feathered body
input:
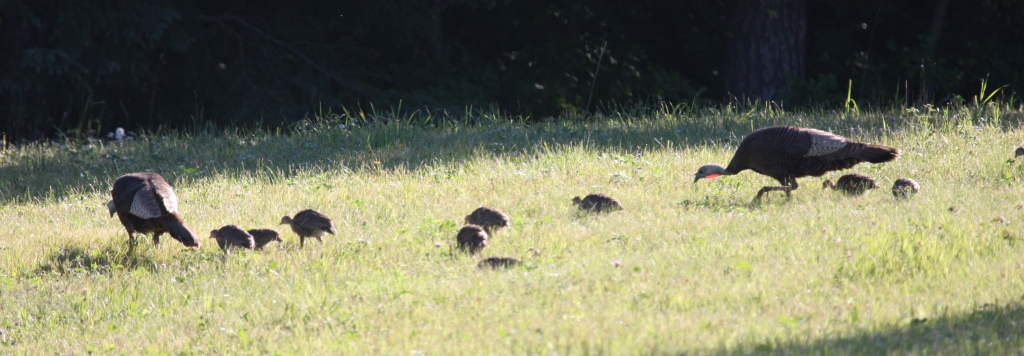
(499, 262)
(146, 203)
(309, 223)
(488, 218)
(786, 153)
(1019, 152)
(597, 203)
(471, 238)
(231, 236)
(262, 237)
(852, 184)
(905, 187)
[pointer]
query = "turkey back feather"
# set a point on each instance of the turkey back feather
(877, 153)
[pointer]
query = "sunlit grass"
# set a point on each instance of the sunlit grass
(702, 269)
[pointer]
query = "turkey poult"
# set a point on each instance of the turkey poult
(499, 262)
(787, 153)
(262, 237)
(488, 218)
(853, 184)
(905, 187)
(231, 236)
(597, 203)
(472, 239)
(309, 223)
(146, 203)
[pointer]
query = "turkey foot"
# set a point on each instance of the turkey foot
(772, 189)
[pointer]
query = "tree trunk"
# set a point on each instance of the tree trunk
(767, 48)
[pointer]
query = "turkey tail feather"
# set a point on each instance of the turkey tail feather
(877, 153)
(179, 231)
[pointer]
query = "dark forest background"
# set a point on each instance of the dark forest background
(80, 68)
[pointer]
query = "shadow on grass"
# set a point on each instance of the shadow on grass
(728, 204)
(58, 170)
(988, 330)
(77, 259)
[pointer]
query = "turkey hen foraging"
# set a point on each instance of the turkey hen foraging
(786, 153)
(146, 203)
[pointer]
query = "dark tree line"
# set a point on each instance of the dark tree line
(767, 48)
(76, 67)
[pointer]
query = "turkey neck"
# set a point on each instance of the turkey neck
(739, 162)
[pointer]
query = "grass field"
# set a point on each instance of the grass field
(702, 269)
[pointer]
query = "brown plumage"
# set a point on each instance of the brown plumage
(853, 184)
(597, 203)
(905, 187)
(231, 236)
(490, 219)
(471, 239)
(262, 237)
(309, 223)
(146, 203)
(499, 262)
(787, 153)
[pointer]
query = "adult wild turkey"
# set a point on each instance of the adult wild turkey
(787, 153)
(499, 262)
(262, 237)
(905, 187)
(597, 203)
(231, 236)
(309, 223)
(853, 184)
(471, 239)
(488, 218)
(146, 203)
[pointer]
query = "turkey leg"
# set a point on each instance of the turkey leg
(131, 241)
(773, 189)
